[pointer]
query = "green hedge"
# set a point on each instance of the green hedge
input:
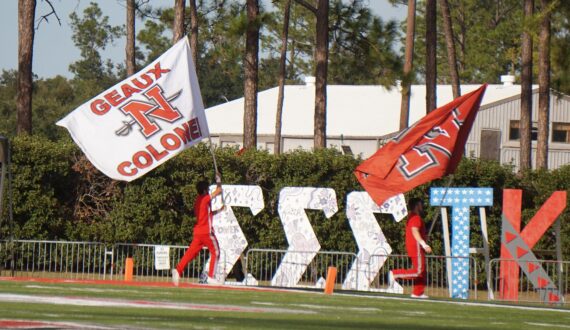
(59, 195)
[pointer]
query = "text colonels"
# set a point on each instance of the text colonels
(144, 113)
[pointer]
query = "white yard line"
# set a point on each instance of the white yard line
(55, 288)
(104, 302)
(463, 303)
(358, 309)
(33, 324)
(549, 325)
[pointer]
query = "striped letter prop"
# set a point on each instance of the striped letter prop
(303, 243)
(144, 120)
(460, 200)
(516, 245)
(373, 249)
(230, 237)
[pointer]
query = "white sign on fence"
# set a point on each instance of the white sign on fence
(161, 257)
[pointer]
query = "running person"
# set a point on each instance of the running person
(203, 233)
(417, 248)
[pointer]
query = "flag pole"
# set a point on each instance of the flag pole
(213, 156)
(440, 204)
(216, 173)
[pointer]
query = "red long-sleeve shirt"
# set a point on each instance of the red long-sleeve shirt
(414, 221)
(203, 212)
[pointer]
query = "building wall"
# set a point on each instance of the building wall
(363, 147)
(498, 117)
(493, 117)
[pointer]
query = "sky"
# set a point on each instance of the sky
(54, 49)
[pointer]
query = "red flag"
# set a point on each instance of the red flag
(428, 150)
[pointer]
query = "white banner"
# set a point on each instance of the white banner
(143, 121)
(161, 257)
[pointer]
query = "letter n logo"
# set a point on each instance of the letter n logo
(516, 245)
(159, 107)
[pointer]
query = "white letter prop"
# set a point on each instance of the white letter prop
(230, 237)
(144, 120)
(303, 243)
(360, 209)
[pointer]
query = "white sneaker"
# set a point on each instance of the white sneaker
(422, 296)
(175, 277)
(213, 281)
(203, 279)
(397, 288)
(393, 286)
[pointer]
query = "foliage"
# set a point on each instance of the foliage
(53, 99)
(59, 195)
(560, 47)
(91, 34)
(362, 46)
(42, 188)
(487, 40)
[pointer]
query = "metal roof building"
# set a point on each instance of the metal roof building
(360, 117)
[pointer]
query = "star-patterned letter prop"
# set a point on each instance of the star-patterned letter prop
(460, 200)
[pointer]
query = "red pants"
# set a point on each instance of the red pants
(198, 242)
(417, 273)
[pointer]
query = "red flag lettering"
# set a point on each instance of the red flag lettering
(160, 109)
(428, 150)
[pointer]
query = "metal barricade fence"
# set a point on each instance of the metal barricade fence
(100, 261)
(144, 263)
(437, 274)
(48, 259)
(263, 265)
(556, 270)
(92, 261)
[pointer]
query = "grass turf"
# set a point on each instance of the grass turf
(328, 312)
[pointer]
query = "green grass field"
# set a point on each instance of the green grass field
(230, 309)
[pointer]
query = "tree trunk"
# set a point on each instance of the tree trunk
(526, 90)
(130, 47)
(194, 32)
(408, 65)
(543, 87)
(431, 60)
(292, 56)
(178, 26)
(26, 17)
(462, 37)
(282, 75)
(321, 59)
(450, 43)
(250, 75)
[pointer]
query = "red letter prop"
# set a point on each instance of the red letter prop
(428, 150)
(516, 245)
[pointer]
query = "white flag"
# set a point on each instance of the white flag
(143, 121)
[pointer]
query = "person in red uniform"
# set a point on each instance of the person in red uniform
(416, 247)
(203, 233)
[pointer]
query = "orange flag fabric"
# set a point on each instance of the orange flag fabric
(428, 150)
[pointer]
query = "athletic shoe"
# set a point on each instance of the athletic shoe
(422, 296)
(203, 279)
(175, 277)
(213, 281)
(393, 286)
